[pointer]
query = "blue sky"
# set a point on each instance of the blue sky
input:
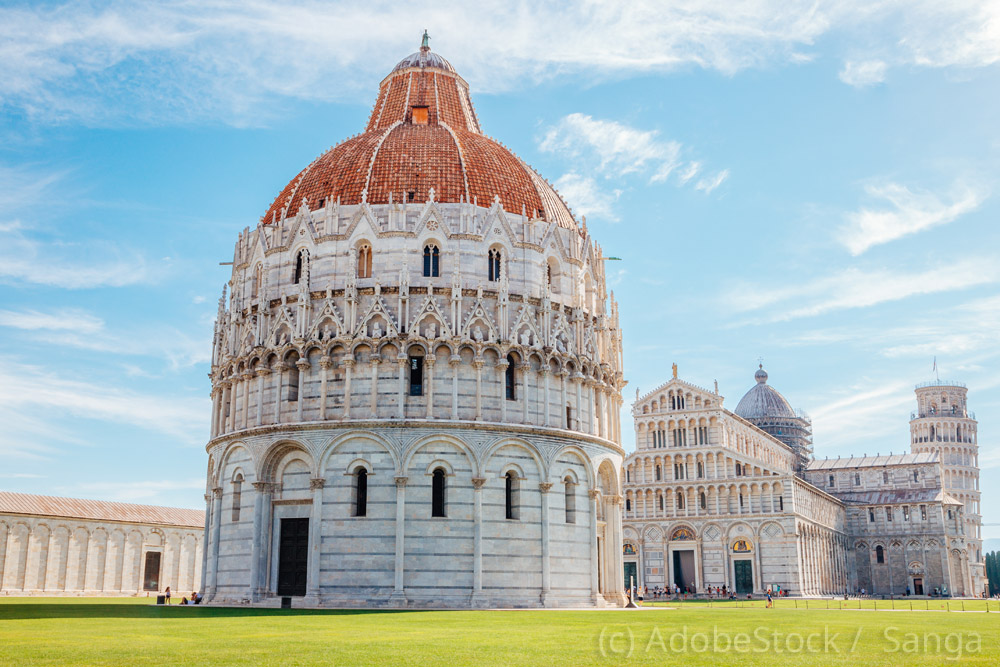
(811, 183)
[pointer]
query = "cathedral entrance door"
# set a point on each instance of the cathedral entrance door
(918, 585)
(744, 576)
(631, 578)
(293, 557)
(684, 570)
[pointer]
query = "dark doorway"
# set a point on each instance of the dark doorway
(293, 557)
(918, 585)
(684, 570)
(744, 576)
(151, 573)
(631, 577)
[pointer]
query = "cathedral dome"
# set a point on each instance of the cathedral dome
(764, 401)
(422, 137)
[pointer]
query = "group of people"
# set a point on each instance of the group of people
(195, 597)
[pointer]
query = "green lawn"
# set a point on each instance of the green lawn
(133, 632)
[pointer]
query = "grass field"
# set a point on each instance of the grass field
(37, 631)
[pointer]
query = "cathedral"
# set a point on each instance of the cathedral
(715, 498)
(416, 378)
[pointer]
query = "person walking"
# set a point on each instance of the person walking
(166, 594)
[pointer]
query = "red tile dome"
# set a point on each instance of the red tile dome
(423, 133)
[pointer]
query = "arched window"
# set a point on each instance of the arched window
(495, 259)
(360, 492)
(510, 495)
(432, 261)
(237, 497)
(258, 280)
(292, 385)
(879, 554)
(659, 474)
(510, 379)
(299, 273)
(416, 376)
(570, 500)
(365, 261)
(438, 491)
(660, 499)
(701, 469)
(703, 501)
(680, 500)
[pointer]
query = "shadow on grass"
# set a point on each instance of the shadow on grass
(11, 612)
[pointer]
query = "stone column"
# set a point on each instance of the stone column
(315, 540)
(348, 369)
(545, 487)
(401, 361)
(325, 363)
(399, 591)
(303, 366)
(454, 361)
(477, 541)
(501, 367)
(373, 406)
(594, 591)
(478, 364)
(233, 405)
(223, 402)
(525, 374)
(578, 381)
(253, 591)
(429, 368)
(640, 562)
(602, 419)
(213, 575)
(247, 376)
(204, 552)
(262, 372)
(563, 374)
(280, 368)
(213, 429)
(614, 522)
(547, 406)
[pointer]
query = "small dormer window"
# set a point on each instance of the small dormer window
(419, 115)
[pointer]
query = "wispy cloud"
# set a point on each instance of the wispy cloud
(68, 318)
(27, 260)
(32, 252)
(867, 404)
(185, 60)
(614, 150)
(70, 327)
(708, 184)
(136, 491)
(617, 149)
(863, 74)
(965, 333)
(28, 393)
(859, 288)
(905, 212)
(586, 197)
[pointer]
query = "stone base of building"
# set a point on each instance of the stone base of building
(395, 601)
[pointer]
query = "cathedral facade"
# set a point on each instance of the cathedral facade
(715, 498)
(416, 378)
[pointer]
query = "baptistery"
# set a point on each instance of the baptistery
(416, 378)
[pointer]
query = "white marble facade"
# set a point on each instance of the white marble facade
(712, 500)
(68, 547)
(323, 366)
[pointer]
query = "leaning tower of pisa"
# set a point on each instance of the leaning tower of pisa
(943, 424)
